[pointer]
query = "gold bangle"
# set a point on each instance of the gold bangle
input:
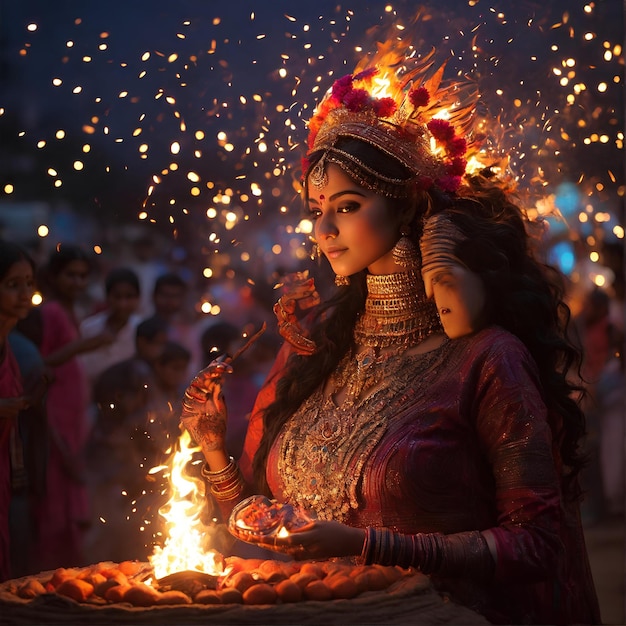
(222, 475)
(228, 494)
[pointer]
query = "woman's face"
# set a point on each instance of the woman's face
(72, 280)
(354, 227)
(16, 292)
(459, 296)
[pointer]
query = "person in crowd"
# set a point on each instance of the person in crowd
(602, 343)
(150, 339)
(115, 468)
(170, 379)
(119, 319)
(63, 513)
(29, 457)
(170, 300)
(17, 285)
(459, 457)
(147, 262)
(218, 339)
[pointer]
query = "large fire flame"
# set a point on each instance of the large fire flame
(186, 534)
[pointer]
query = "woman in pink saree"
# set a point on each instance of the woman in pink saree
(17, 285)
(63, 513)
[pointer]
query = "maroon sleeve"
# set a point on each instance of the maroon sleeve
(511, 420)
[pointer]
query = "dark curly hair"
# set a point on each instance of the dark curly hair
(526, 296)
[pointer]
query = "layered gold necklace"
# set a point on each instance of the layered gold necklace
(397, 312)
(397, 316)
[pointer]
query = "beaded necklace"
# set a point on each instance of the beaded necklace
(397, 312)
(397, 316)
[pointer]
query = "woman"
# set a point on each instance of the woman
(63, 512)
(17, 285)
(409, 448)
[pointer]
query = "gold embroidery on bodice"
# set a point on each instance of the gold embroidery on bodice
(324, 446)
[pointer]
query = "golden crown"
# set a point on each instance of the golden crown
(403, 108)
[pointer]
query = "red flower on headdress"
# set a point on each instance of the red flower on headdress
(441, 130)
(352, 94)
(384, 107)
(304, 166)
(457, 166)
(342, 86)
(419, 97)
(356, 100)
(457, 147)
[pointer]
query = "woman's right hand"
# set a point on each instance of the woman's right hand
(204, 413)
(299, 296)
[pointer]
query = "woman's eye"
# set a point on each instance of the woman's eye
(444, 278)
(348, 208)
(314, 214)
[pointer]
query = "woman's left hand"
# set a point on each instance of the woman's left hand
(321, 540)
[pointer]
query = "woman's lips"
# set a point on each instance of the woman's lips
(333, 253)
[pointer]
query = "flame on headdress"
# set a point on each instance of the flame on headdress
(402, 106)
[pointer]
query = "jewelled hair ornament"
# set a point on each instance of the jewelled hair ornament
(405, 110)
(438, 242)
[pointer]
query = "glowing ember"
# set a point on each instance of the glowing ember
(185, 548)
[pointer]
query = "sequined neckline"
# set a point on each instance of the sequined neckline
(324, 446)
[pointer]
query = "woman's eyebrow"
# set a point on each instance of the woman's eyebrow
(339, 194)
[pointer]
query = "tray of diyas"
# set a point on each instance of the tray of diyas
(250, 591)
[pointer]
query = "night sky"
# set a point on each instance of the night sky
(149, 87)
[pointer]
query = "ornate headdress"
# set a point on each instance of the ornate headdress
(404, 109)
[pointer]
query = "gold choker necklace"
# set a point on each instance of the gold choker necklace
(397, 312)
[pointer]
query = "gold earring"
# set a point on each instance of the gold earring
(316, 252)
(404, 252)
(342, 281)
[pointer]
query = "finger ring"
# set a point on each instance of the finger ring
(283, 312)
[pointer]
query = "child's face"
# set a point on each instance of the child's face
(172, 374)
(132, 402)
(169, 299)
(150, 349)
(459, 296)
(123, 301)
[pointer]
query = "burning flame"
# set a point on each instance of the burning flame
(381, 86)
(187, 534)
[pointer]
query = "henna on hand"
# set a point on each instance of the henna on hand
(204, 411)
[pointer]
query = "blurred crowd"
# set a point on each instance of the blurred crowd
(114, 350)
(110, 351)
